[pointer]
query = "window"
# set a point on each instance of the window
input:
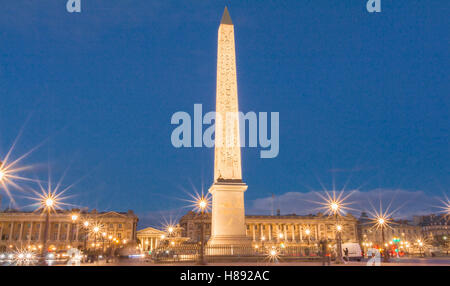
(120, 225)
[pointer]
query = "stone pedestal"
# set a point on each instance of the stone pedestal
(228, 214)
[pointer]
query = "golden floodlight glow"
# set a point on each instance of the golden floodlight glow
(200, 202)
(382, 219)
(333, 203)
(272, 255)
(96, 229)
(49, 202)
(338, 227)
(74, 217)
(445, 206)
(334, 207)
(10, 169)
(86, 223)
(307, 231)
(49, 199)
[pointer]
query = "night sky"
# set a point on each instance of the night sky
(362, 97)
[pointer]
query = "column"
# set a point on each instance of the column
(21, 231)
(285, 232)
(253, 231)
(262, 231)
(69, 226)
(30, 232)
(270, 231)
(293, 232)
(77, 231)
(278, 232)
(40, 231)
(59, 231)
(151, 244)
(11, 231)
(300, 230)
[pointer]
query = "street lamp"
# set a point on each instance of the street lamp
(74, 218)
(420, 243)
(48, 203)
(170, 229)
(335, 208)
(202, 203)
(86, 233)
(308, 233)
(382, 222)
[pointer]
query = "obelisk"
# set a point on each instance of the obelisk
(228, 213)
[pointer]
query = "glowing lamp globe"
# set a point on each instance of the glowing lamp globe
(49, 202)
(334, 207)
(202, 204)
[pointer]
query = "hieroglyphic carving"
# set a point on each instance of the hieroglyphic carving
(227, 145)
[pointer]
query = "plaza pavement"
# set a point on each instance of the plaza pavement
(439, 261)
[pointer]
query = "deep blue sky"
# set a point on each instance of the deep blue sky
(361, 91)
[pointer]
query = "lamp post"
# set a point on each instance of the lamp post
(48, 204)
(86, 228)
(202, 205)
(95, 229)
(382, 224)
(420, 243)
(335, 209)
(74, 220)
(103, 240)
(308, 235)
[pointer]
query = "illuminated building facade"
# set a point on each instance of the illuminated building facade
(68, 228)
(290, 229)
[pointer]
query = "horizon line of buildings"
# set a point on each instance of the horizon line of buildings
(70, 228)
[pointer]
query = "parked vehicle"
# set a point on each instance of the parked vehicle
(354, 251)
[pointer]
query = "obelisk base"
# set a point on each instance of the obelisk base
(228, 230)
